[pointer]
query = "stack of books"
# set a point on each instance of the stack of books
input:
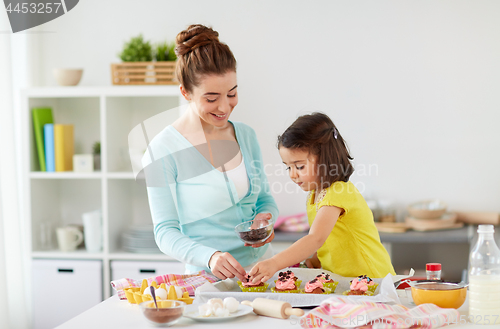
(54, 142)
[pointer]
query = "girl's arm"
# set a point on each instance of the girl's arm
(322, 226)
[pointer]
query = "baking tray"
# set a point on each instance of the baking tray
(228, 288)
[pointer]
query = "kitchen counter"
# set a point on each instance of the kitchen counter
(115, 313)
(461, 235)
(413, 249)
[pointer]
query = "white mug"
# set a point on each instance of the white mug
(92, 228)
(68, 238)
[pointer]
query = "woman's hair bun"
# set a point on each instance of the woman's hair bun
(193, 37)
(199, 52)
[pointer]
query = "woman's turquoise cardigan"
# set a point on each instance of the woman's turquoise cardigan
(195, 207)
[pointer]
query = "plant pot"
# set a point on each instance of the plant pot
(97, 162)
(143, 73)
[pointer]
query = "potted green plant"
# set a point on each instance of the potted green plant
(137, 50)
(165, 52)
(96, 152)
(144, 64)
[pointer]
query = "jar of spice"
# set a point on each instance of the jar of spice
(433, 271)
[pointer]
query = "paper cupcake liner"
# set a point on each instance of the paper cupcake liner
(327, 291)
(253, 289)
(295, 291)
(331, 285)
(373, 288)
(367, 293)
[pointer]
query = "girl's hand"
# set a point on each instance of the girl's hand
(313, 262)
(223, 266)
(261, 217)
(263, 271)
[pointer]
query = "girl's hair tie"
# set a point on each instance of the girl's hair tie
(335, 133)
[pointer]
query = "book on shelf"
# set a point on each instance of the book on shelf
(48, 137)
(64, 147)
(41, 116)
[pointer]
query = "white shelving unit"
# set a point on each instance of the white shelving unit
(105, 114)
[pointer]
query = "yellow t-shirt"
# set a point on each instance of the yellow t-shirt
(353, 247)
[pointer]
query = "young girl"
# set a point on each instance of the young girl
(343, 236)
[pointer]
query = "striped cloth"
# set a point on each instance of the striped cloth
(188, 282)
(340, 312)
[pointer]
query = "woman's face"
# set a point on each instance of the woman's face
(301, 166)
(214, 98)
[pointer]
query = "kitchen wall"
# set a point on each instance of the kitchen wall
(412, 85)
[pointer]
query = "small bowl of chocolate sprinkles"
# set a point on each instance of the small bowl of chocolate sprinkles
(255, 231)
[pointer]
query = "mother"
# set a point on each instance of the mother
(212, 167)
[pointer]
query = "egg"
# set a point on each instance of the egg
(161, 293)
(205, 310)
(231, 304)
(147, 291)
(221, 312)
(215, 301)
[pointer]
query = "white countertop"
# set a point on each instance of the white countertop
(114, 313)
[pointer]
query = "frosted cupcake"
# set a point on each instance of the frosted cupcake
(327, 281)
(287, 282)
(249, 286)
(315, 286)
(361, 286)
(372, 285)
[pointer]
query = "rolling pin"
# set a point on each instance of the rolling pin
(273, 308)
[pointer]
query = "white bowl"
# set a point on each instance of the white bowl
(68, 77)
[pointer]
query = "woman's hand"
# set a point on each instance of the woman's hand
(263, 271)
(313, 262)
(261, 217)
(223, 265)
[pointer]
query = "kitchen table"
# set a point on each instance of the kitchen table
(115, 313)
(413, 249)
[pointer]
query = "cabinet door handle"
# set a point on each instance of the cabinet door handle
(147, 271)
(65, 270)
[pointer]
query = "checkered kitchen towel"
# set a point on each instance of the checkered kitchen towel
(339, 312)
(188, 282)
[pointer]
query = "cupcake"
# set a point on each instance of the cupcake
(315, 286)
(327, 281)
(361, 286)
(372, 285)
(287, 282)
(249, 286)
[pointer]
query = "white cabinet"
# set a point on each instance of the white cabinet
(54, 199)
(62, 289)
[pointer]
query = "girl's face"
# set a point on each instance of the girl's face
(214, 98)
(301, 166)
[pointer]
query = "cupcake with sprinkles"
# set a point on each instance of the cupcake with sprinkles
(315, 286)
(249, 286)
(327, 281)
(372, 285)
(362, 285)
(287, 282)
